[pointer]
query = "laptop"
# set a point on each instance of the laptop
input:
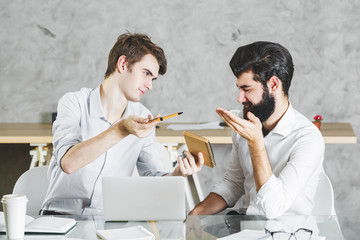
(143, 198)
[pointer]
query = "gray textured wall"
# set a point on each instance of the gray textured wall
(48, 48)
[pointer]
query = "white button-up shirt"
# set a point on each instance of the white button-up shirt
(80, 117)
(295, 148)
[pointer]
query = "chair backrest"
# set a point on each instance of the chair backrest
(34, 184)
(324, 197)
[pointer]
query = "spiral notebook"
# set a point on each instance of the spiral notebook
(54, 225)
(198, 144)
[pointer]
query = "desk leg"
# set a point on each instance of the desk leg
(172, 150)
(189, 195)
(38, 154)
(154, 229)
(193, 191)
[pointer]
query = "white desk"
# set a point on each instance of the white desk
(341, 133)
(214, 226)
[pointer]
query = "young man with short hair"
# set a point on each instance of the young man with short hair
(106, 131)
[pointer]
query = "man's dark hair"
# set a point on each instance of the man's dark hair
(134, 47)
(264, 59)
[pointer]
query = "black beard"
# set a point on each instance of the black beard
(262, 110)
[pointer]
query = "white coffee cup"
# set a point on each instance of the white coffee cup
(236, 112)
(14, 206)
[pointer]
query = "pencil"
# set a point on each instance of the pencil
(166, 117)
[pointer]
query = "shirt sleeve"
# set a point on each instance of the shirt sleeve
(231, 188)
(66, 128)
(278, 194)
(149, 162)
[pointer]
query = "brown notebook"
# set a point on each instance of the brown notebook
(197, 144)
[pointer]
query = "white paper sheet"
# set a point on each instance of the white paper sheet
(198, 126)
(257, 235)
(127, 233)
(248, 235)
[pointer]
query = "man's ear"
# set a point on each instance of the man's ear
(121, 64)
(274, 84)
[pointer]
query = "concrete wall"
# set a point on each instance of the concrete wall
(48, 48)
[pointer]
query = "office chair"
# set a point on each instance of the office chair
(34, 184)
(324, 209)
(324, 197)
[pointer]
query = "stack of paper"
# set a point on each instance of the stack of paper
(199, 126)
(129, 233)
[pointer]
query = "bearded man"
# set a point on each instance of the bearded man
(277, 153)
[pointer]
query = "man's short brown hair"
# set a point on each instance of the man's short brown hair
(134, 47)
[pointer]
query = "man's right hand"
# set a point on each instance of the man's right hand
(136, 125)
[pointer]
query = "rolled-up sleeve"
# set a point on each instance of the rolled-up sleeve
(231, 188)
(278, 194)
(66, 128)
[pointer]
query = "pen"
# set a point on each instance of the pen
(166, 117)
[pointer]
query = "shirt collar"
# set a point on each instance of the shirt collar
(95, 108)
(125, 114)
(284, 126)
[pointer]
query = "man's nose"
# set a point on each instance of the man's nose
(148, 84)
(241, 97)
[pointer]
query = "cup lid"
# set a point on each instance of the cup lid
(13, 197)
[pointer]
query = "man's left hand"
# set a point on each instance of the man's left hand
(187, 165)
